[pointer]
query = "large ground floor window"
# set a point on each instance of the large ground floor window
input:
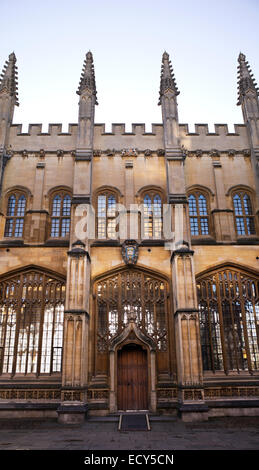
(229, 320)
(31, 322)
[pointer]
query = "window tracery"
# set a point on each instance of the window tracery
(198, 213)
(131, 294)
(229, 320)
(15, 214)
(106, 215)
(243, 211)
(60, 215)
(31, 323)
(152, 214)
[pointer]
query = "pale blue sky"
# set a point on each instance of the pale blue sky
(50, 39)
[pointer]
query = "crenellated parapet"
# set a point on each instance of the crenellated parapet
(33, 139)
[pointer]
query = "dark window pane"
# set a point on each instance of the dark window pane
(250, 226)
(11, 205)
(247, 205)
(8, 228)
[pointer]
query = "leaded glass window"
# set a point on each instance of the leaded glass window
(131, 294)
(198, 214)
(152, 216)
(229, 320)
(243, 211)
(106, 216)
(60, 215)
(15, 214)
(31, 323)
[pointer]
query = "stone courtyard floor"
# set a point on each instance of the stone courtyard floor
(216, 434)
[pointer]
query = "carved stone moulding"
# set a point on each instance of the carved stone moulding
(29, 394)
(167, 393)
(221, 392)
(100, 394)
(129, 152)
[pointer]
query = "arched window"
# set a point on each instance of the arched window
(106, 215)
(152, 215)
(15, 214)
(31, 323)
(244, 216)
(229, 320)
(60, 215)
(198, 214)
(131, 294)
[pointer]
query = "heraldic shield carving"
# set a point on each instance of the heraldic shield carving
(129, 251)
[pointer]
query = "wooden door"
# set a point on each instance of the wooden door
(132, 391)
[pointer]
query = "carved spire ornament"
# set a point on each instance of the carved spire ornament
(8, 79)
(245, 79)
(167, 80)
(87, 79)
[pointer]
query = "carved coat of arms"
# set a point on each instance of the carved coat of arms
(129, 251)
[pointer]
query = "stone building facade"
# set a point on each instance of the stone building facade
(129, 261)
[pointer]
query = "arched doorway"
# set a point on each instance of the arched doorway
(131, 306)
(132, 378)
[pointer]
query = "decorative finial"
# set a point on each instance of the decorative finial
(8, 78)
(167, 80)
(245, 78)
(87, 79)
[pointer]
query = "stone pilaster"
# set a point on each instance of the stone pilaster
(191, 404)
(76, 330)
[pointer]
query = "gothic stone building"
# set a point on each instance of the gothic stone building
(161, 314)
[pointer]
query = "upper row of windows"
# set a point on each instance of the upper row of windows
(60, 215)
(199, 215)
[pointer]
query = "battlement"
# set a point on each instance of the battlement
(36, 129)
(118, 138)
(119, 129)
(220, 129)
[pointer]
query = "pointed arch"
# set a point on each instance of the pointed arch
(125, 293)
